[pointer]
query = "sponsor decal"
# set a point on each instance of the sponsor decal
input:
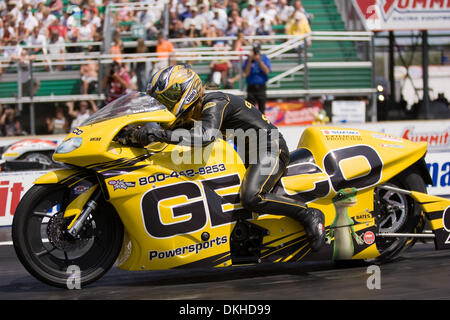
(369, 237)
(435, 140)
(387, 137)
(342, 134)
(121, 184)
(197, 248)
(77, 131)
(392, 145)
(80, 189)
(361, 218)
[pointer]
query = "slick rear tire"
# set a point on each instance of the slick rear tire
(408, 219)
(49, 254)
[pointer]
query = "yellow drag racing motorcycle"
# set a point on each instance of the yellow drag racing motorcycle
(157, 208)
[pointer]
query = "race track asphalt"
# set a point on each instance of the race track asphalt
(422, 273)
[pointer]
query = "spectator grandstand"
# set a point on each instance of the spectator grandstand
(69, 46)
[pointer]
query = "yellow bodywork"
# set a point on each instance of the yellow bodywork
(133, 178)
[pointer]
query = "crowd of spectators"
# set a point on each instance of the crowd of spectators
(49, 26)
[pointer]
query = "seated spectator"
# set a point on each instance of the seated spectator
(29, 20)
(218, 21)
(194, 25)
(263, 29)
(56, 46)
(220, 68)
(57, 124)
(285, 11)
(10, 123)
(47, 17)
(86, 31)
(22, 33)
(234, 24)
(59, 28)
(270, 12)
(299, 26)
(79, 116)
(7, 32)
(12, 49)
(249, 13)
(247, 29)
(116, 83)
(298, 7)
(56, 7)
(145, 18)
(38, 41)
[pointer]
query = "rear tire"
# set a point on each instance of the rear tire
(392, 217)
(46, 251)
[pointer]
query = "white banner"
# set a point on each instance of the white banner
(12, 188)
(384, 15)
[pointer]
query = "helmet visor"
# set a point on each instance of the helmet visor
(170, 97)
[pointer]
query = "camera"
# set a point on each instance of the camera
(256, 48)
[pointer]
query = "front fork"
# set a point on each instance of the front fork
(79, 220)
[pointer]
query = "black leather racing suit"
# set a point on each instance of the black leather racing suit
(223, 111)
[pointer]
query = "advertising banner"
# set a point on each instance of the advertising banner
(12, 188)
(289, 113)
(392, 15)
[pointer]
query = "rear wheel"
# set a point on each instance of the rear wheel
(398, 213)
(49, 253)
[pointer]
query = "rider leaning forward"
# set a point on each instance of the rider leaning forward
(180, 89)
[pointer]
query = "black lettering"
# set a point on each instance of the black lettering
(195, 209)
(331, 165)
(215, 201)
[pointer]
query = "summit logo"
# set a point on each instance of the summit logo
(375, 9)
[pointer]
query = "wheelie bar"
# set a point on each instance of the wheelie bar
(437, 211)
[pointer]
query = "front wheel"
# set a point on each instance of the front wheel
(49, 253)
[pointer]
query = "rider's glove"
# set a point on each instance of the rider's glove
(142, 136)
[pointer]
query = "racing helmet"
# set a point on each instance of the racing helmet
(176, 87)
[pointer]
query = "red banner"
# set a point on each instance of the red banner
(289, 113)
(382, 15)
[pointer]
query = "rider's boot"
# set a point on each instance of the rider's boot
(313, 220)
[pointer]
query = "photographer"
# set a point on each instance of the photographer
(116, 83)
(256, 71)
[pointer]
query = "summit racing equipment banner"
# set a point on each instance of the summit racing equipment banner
(12, 188)
(384, 15)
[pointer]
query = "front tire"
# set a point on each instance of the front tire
(45, 249)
